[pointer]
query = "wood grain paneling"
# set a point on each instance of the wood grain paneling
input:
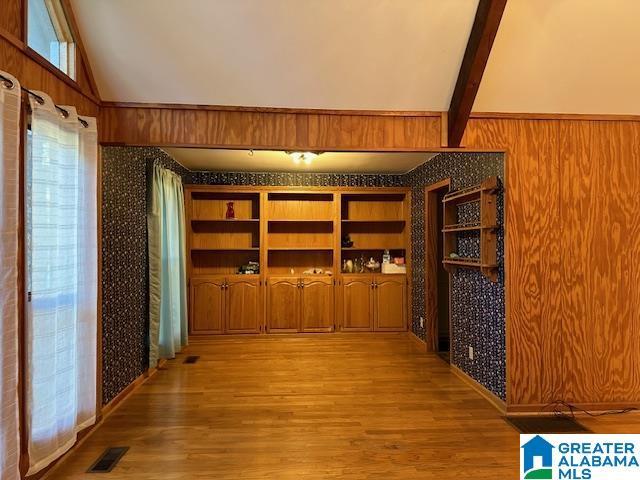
(11, 20)
(185, 125)
(573, 288)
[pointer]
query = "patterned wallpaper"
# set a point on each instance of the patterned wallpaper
(124, 264)
(477, 306)
(297, 179)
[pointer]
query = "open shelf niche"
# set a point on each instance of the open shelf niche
(300, 232)
(470, 228)
(374, 222)
(220, 245)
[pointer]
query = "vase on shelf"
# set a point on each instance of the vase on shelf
(231, 214)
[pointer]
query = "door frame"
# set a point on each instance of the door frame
(431, 205)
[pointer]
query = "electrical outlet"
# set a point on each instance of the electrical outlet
(470, 353)
(421, 322)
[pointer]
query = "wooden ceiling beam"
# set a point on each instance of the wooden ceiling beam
(483, 33)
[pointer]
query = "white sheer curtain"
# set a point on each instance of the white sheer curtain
(61, 247)
(9, 183)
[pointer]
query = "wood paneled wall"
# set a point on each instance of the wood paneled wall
(573, 240)
(34, 73)
(142, 125)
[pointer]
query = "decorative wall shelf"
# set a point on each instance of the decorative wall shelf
(486, 195)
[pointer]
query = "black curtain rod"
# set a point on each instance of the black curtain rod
(9, 84)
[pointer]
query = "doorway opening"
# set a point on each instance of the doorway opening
(437, 291)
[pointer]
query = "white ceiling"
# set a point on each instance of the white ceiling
(332, 54)
(279, 161)
(564, 56)
(550, 56)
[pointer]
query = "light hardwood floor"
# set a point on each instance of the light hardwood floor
(340, 406)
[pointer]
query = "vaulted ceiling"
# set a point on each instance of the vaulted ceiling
(553, 56)
(564, 56)
(342, 54)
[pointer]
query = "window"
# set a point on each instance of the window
(49, 34)
(61, 282)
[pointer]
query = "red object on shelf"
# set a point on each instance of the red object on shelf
(230, 212)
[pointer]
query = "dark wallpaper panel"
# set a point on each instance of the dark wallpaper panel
(296, 179)
(124, 264)
(477, 304)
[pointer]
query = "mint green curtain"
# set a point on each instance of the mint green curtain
(167, 272)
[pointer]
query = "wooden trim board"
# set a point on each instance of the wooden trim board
(237, 108)
(417, 342)
(491, 397)
(431, 236)
(604, 117)
(546, 409)
(118, 399)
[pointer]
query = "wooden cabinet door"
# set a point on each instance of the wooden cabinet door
(390, 303)
(207, 305)
(243, 312)
(317, 304)
(357, 304)
(283, 304)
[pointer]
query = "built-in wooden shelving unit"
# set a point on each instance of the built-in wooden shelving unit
(296, 237)
(485, 196)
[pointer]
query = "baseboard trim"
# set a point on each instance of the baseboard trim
(545, 409)
(417, 342)
(115, 402)
(488, 395)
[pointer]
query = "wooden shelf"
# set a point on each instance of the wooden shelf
(468, 227)
(300, 220)
(300, 249)
(368, 274)
(488, 185)
(226, 249)
(468, 262)
(374, 221)
(391, 249)
(226, 220)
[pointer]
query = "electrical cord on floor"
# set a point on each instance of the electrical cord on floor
(558, 411)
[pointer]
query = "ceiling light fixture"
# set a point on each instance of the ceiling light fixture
(303, 157)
